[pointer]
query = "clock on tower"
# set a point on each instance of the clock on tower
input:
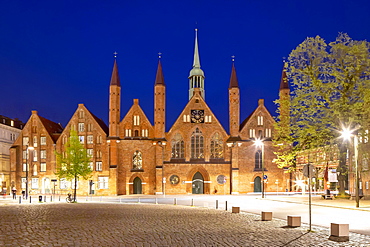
(197, 116)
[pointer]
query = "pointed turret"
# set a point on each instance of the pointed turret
(234, 102)
(284, 102)
(159, 103)
(196, 76)
(114, 101)
(284, 79)
(233, 77)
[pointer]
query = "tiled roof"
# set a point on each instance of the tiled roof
(54, 129)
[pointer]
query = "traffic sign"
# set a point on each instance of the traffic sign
(264, 176)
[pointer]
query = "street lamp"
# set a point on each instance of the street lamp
(162, 144)
(27, 152)
(346, 135)
(259, 143)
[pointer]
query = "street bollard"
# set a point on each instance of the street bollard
(156, 202)
(192, 202)
(30, 199)
(216, 204)
(101, 198)
(138, 200)
(174, 201)
(226, 205)
(44, 198)
(59, 197)
(51, 198)
(120, 200)
(87, 197)
(20, 199)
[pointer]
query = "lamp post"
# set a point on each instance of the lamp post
(346, 135)
(27, 152)
(162, 144)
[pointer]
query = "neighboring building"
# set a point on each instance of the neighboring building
(9, 131)
(132, 156)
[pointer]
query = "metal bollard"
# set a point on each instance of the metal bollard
(20, 199)
(174, 201)
(120, 200)
(51, 198)
(226, 205)
(101, 198)
(87, 197)
(216, 204)
(30, 199)
(44, 198)
(156, 202)
(192, 202)
(59, 197)
(138, 200)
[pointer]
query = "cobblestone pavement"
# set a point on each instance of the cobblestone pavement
(106, 224)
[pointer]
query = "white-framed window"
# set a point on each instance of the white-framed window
(63, 184)
(89, 127)
(43, 167)
(90, 139)
(43, 140)
(90, 152)
(34, 183)
(24, 154)
(208, 119)
(128, 132)
(43, 154)
(103, 182)
(91, 165)
(34, 154)
(24, 167)
(25, 141)
(82, 139)
(144, 133)
(35, 141)
(98, 166)
(98, 154)
(23, 182)
(252, 133)
(81, 127)
(136, 120)
(34, 170)
(267, 132)
(260, 120)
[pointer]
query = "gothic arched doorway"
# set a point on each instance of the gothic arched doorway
(138, 186)
(198, 183)
(257, 184)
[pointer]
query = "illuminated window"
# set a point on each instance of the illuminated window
(177, 147)
(43, 140)
(43, 167)
(90, 139)
(217, 147)
(34, 183)
(25, 141)
(81, 127)
(258, 160)
(103, 182)
(43, 154)
(99, 166)
(137, 161)
(197, 144)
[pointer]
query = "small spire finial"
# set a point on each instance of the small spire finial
(159, 55)
(115, 54)
(233, 58)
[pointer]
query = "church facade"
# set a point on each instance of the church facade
(133, 156)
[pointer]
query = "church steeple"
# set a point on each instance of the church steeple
(114, 101)
(196, 76)
(159, 103)
(234, 102)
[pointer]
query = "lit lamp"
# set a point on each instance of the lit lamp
(346, 135)
(162, 144)
(259, 143)
(27, 152)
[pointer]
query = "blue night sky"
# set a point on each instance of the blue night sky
(57, 54)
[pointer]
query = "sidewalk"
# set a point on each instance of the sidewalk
(319, 201)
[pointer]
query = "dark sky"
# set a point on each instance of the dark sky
(57, 54)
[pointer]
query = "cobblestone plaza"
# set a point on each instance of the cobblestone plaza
(106, 224)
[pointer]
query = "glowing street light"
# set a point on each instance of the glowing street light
(259, 143)
(346, 135)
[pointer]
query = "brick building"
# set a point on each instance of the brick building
(133, 156)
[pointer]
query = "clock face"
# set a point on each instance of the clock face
(174, 179)
(197, 116)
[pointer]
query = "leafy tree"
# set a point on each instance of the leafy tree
(330, 90)
(74, 162)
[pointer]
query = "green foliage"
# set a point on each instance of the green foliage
(74, 162)
(330, 89)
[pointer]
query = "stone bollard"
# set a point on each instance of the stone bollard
(235, 210)
(339, 232)
(294, 220)
(266, 216)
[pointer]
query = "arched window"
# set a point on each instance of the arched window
(177, 147)
(136, 133)
(197, 144)
(217, 151)
(258, 160)
(137, 161)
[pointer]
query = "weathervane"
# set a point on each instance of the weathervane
(115, 54)
(159, 55)
(233, 58)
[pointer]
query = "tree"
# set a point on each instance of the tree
(74, 162)
(330, 90)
